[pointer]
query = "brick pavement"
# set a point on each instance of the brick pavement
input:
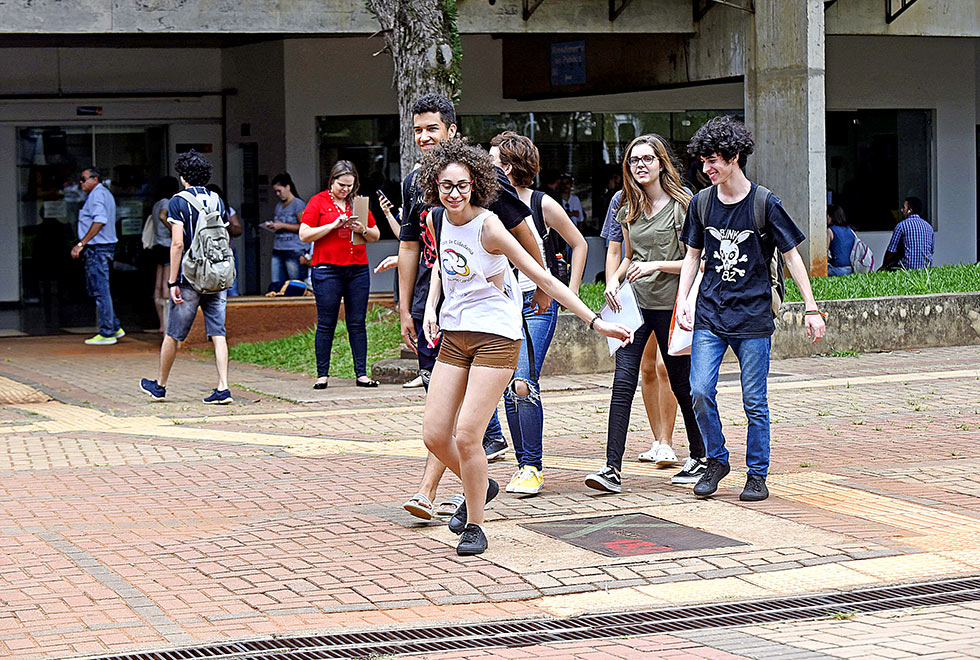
(128, 525)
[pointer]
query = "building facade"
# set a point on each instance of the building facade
(857, 101)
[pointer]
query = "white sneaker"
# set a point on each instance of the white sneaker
(665, 456)
(650, 456)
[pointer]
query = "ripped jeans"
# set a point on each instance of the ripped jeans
(525, 415)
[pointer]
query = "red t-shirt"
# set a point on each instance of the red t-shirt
(335, 248)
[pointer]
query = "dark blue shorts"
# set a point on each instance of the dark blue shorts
(182, 316)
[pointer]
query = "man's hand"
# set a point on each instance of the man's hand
(387, 264)
(815, 327)
(682, 312)
(76, 251)
(175, 295)
(408, 331)
(542, 300)
(612, 297)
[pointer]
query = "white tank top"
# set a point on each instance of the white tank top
(472, 302)
(524, 282)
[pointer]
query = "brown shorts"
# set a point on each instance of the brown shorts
(462, 348)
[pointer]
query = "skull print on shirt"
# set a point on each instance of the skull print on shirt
(729, 253)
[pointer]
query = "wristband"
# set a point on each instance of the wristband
(80, 244)
(171, 284)
(592, 322)
(815, 312)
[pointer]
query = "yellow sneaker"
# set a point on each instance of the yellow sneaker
(528, 480)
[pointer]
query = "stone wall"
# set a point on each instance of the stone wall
(867, 325)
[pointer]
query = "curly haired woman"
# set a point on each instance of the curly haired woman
(479, 324)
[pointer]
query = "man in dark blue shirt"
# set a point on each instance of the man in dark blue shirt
(734, 305)
(913, 241)
(195, 172)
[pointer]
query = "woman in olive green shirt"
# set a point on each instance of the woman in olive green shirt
(654, 205)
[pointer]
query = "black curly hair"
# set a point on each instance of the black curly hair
(436, 103)
(723, 135)
(473, 158)
(194, 168)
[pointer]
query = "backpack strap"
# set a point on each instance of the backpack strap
(759, 208)
(199, 206)
(436, 214)
(538, 214)
(679, 225)
(703, 199)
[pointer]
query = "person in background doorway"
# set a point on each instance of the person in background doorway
(287, 247)
(840, 241)
(570, 201)
(913, 241)
(235, 230)
(550, 184)
(97, 242)
(167, 187)
(340, 269)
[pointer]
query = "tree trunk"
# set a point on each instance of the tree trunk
(420, 35)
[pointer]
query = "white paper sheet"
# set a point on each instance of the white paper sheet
(629, 315)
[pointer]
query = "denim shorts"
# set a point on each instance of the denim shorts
(182, 316)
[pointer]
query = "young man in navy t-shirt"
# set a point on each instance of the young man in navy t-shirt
(734, 305)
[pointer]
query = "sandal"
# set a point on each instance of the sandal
(419, 506)
(650, 455)
(449, 507)
(320, 384)
(366, 383)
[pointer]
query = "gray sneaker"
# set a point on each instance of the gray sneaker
(691, 472)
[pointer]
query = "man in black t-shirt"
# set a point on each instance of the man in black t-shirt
(435, 121)
(735, 297)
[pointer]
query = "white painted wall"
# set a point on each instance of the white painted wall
(923, 73)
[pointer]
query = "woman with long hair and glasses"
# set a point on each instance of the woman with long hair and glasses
(654, 204)
(517, 156)
(340, 269)
(287, 246)
(478, 327)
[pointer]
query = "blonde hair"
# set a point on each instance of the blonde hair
(634, 197)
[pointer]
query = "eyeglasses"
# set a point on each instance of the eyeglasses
(447, 187)
(647, 160)
(86, 178)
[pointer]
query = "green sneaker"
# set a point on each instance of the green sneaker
(99, 340)
(120, 333)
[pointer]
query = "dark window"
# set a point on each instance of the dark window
(877, 158)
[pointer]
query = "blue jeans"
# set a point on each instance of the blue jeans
(98, 260)
(427, 360)
(525, 414)
(330, 284)
(835, 271)
(707, 350)
(285, 265)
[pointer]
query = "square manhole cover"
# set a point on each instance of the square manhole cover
(630, 534)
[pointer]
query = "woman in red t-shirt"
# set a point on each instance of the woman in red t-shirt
(340, 269)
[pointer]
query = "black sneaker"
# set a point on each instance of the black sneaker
(713, 474)
(494, 447)
(755, 489)
(606, 479)
(472, 542)
(458, 522)
(154, 389)
(691, 472)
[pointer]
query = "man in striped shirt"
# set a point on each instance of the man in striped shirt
(913, 241)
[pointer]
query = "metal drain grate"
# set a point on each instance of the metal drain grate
(589, 627)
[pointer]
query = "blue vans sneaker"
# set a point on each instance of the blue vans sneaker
(220, 398)
(153, 388)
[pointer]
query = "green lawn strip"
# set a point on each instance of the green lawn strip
(296, 353)
(941, 279)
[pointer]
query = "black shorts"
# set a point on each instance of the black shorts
(160, 254)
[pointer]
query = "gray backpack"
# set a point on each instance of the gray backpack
(208, 264)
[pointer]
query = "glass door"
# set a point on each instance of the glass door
(49, 159)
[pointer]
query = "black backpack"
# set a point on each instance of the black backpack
(555, 249)
(777, 282)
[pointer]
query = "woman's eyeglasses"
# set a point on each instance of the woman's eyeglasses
(447, 187)
(647, 160)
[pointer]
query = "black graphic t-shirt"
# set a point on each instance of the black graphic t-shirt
(735, 297)
(415, 212)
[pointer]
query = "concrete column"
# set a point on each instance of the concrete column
(785, 107)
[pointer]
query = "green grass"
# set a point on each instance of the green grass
(296, 353)
(941, 279)
(593, 295)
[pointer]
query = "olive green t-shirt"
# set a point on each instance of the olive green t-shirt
(654, 239)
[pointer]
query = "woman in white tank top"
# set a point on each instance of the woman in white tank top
(479, 325)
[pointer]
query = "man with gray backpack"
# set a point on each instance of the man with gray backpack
(202, 269)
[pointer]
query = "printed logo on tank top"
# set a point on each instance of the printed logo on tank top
(456, 257)
(728, 254)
